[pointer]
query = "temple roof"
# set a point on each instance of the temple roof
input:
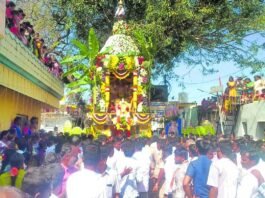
(120, 44)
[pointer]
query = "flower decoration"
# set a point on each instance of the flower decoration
(121, 66)
(136, 62)
(114, 60)
(103, 76)
(120, 27)
(102, 105)
(119, 58)
(99, 61)
(140, 60)
(144, 80)
(99, 69)
(122, 119)
(140, 98)
(120, 44)
(140, 107)
(106, 61)
(143, 72)
(112, 108)
(103, 88)
(140, 90)
(14, 172)
(129, 62)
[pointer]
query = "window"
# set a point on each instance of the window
(260, 130)
(245, 128)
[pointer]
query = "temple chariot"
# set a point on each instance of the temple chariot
(120, 92)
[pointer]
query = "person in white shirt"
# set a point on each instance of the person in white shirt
(110, 176)
(259, 84)
(251, 179)
(112, 160)
(87, 181)
(250, 161)
(236, 150)
(117, 154)
(147, 149)
(247, 185)
(128, 170)
(193, 154)
(169, 169)
(261, 163)
(212, 153)
(181, 158)
(223, 175)
(157, 167)
(143, 159)
(154, 151)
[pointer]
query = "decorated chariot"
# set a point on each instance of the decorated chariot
(120, 92)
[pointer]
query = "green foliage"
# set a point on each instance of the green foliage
(80, 64)
(49, 20)
(197, 32)
(71, 59)
(83, 49)
(77, 90)
(93, 45)
(145, 44)
(83, 81)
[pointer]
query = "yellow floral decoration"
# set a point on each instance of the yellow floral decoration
(129, 62)
(103, 87)
(114, 60)
(139, 90)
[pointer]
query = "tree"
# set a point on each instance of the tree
(50, 20)
(198, 32)
(81, 64)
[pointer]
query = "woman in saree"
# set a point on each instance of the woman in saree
(232, 87)
(232, 93)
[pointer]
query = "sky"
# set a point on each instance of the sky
(198, 86)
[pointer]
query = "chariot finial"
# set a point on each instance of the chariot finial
(120, 12)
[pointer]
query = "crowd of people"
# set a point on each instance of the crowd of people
(24, 31)
(38, 164)
(238, 92)
(246, 90)
(209, 103)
